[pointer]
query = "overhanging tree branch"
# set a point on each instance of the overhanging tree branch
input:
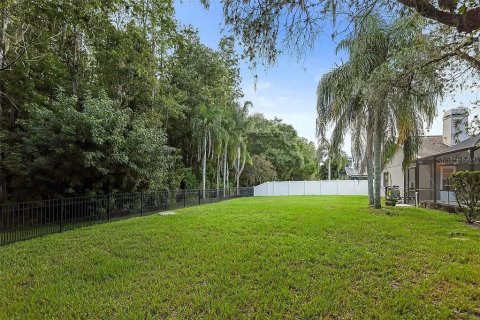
(468, 21)
(458, 52)
(473, 62)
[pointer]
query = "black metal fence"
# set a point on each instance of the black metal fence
(25, 220)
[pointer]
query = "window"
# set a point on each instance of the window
(445, 173)
(386, 179)
(411, 177)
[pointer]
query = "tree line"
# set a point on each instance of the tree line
(117, 96)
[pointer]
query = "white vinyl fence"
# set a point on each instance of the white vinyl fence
(307, 188)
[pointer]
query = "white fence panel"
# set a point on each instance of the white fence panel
(261, 189)
(313, 188)
(346, 188)
(329, 187)
(281, 189)
(296, 188)
(361, 187)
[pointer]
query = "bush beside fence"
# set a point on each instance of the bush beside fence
(25, 220)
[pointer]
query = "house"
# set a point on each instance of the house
(352, 173)
(438, 157)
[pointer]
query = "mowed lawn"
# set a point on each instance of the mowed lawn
(284, 257)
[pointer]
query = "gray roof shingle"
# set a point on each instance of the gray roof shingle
(352, 172)
(471, 142)
(431, 145)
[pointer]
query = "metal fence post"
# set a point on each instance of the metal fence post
(141, 203)
(199, 197)
(184, 198)
(62, 213)
(1, 226)
(14, 231)
(2, 222)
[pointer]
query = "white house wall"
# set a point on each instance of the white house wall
(394, 167)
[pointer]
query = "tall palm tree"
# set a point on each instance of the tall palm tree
(324, 154)
(203, 124)
(222, 139)
(218, 142)
(239, 141)
(341, 99)
(372, 96)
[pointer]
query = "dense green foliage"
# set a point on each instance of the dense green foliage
(467, 192)
(336, 168)
(292, 157)
(117, 96)
(333, 161)
(282, 258)
(259, 171)
(59, 151)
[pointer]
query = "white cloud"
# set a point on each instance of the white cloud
(273, 101)
(264, 85)
(454, 100)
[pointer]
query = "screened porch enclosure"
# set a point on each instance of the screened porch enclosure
(429, 178)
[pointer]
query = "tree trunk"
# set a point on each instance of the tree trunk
(369, 159)
(225, 171)
(240, 173)
(377, 150)
(228, 182)
(74, 63)
(3, 36)
(329, 169)
(210, 146)
(218, 174)
(3, 56)
(237, 171)
(204, 165)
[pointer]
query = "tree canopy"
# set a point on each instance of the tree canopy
(268, 28)
(118, 96)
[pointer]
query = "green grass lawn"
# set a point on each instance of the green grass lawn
(284, 257)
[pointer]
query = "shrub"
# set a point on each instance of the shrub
(467, 191)
(259, 171)
(61, 151)
(391, 202)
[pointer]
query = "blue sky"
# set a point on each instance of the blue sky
(288, 89)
